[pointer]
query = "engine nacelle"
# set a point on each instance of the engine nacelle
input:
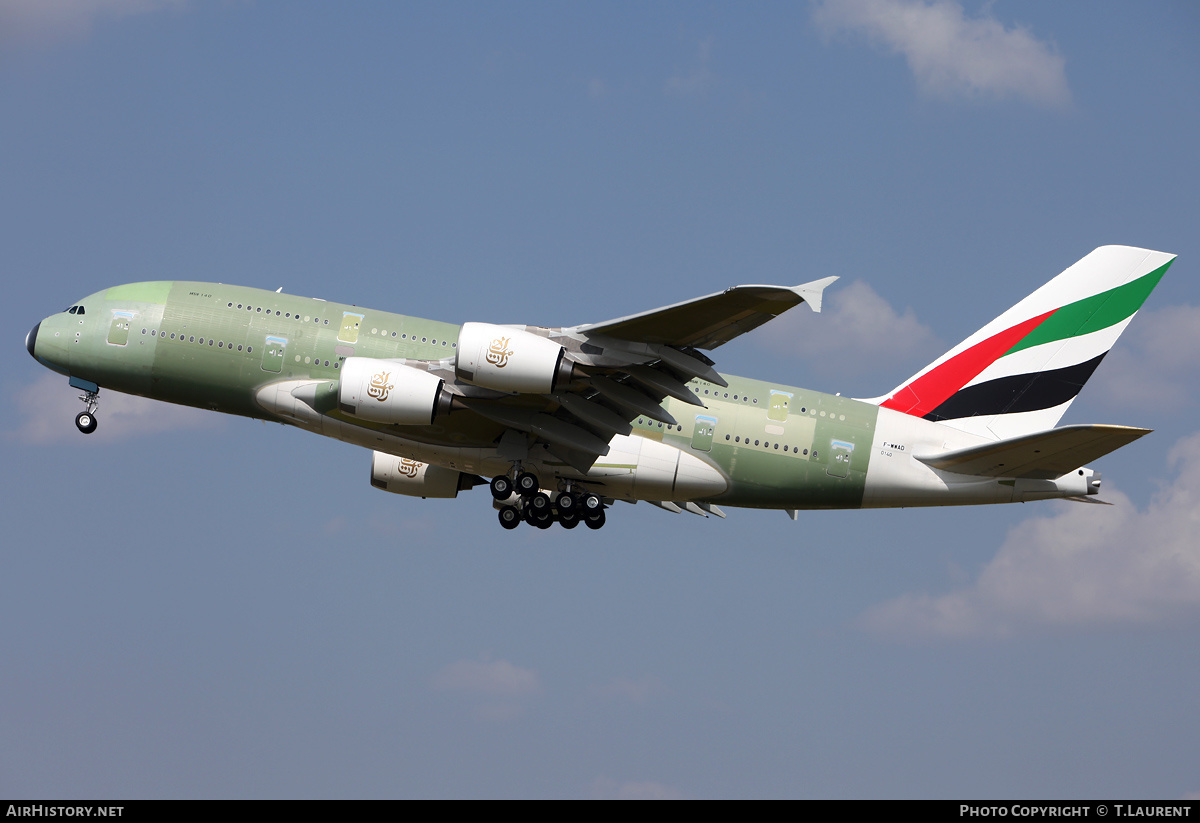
(400, 475)
(508, 360)
(384, 391)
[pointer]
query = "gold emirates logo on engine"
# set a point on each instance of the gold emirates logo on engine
(408, 467)
(499, 352)
(379, 386)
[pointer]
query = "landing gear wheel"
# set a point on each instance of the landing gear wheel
(502, 487)
(86, 422)
(566, 502)
(527, 483)
(594, 520)
(510, 518)
(540, 503)
(592, 503)
(542, 518)
(568, 520)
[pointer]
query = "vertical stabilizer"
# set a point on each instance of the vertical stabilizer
(1019, 373)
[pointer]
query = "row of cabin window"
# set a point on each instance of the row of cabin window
(384, 333)
(738, 439)
(744, 398)
(192, 339)
(288, 315)
(766, 445)
(221, 345)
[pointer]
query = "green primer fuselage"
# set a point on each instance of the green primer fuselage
(215, 346)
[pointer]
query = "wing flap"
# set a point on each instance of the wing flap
(1041, 456)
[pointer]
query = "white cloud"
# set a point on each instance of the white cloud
(951, 55)
(694, 81)
(1157, 360)
(604, 788)
(857, 332)
(489, 678)
(47, 411)
(497, 685)
(1083, 566)
(41, 21)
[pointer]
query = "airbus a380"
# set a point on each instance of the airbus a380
(562, 422)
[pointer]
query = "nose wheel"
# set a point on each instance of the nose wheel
(85, 421)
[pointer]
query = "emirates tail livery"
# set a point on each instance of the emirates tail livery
(562, 422)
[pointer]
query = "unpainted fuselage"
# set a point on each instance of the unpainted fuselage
(756, 444)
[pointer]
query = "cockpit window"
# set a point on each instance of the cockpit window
(80, 310)
(75, 310)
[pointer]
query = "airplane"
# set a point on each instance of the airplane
(562, 422)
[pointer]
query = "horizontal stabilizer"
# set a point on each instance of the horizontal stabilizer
(1041, 456)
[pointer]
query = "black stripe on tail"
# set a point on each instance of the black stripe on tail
(1019, 393)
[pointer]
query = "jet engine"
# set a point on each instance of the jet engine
(510, 360)
(385, 391)
(400, 475)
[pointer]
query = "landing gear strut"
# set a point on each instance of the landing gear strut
(85, 421)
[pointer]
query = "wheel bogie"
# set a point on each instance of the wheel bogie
(568, 507)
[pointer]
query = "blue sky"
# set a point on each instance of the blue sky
(200, 606)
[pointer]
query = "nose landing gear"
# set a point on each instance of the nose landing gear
(85, 421)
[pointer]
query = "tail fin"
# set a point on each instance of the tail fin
(1019, 373)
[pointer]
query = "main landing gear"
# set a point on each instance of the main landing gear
(85, 421)
(536, 508)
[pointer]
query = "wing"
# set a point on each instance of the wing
(607, 374)
(710, 321)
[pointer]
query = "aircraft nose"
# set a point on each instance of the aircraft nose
(31, 340)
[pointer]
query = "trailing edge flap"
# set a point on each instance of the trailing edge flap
(707, 322)
(1042, 456)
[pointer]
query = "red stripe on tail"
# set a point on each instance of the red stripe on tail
(931, 389)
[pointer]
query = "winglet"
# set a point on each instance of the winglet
(811, 293)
